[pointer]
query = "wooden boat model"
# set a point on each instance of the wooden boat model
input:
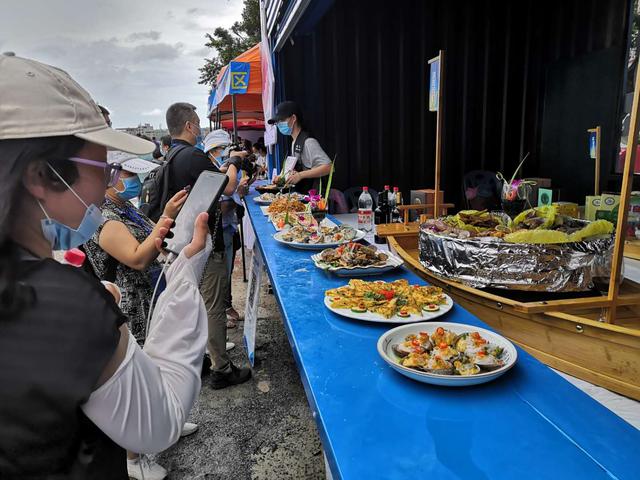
(567, 332)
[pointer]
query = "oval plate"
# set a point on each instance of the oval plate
(398, 334)
(317, 246)
(359, 271)
(377, 318)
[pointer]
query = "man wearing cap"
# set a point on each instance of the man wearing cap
(216, 146)
(186, 165)
(307, 162)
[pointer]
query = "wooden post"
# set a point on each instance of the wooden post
(439, 122)
(627, 184)
(598, 132)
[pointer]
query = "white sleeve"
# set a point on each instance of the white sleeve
(144, 405)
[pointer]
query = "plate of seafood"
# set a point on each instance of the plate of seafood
(355, 259)
(449, 354)
(313, 238)
(388, 302)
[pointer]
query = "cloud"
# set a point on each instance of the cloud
(157, 51)
(201, 52)
(141, 63)
(150, 35)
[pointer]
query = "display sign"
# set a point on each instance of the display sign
(252, 304)
(593, 143)
(239, 77)
(434, 84)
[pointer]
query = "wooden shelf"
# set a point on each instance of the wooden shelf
(632, 249)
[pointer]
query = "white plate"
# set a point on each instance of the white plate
(325, 223)
(377, 318)
(317, 246)
(359, 271)
(398, 334)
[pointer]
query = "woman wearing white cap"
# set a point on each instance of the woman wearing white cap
(75, 387)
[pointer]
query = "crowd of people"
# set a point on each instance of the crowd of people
(100, 365)
(107, 358)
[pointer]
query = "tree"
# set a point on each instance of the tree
(229, 43)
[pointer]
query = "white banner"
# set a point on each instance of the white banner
(253, 302)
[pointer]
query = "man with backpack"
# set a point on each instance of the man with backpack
(183, 164)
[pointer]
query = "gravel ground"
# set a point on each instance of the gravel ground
(260, 430)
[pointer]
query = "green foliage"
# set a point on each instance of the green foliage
(229, 43)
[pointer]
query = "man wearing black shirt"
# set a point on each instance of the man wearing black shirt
(187, 164)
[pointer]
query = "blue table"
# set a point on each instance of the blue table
(376, 424)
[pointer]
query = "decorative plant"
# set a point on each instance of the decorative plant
(510, 189)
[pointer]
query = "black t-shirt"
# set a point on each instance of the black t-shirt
(51, 356)
(184, 169)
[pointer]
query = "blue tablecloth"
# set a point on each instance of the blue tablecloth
(376, 424)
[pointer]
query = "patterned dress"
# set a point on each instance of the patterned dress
(136, 286)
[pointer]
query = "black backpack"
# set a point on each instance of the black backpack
(155, 189)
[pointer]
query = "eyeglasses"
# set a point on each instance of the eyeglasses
(111, 170)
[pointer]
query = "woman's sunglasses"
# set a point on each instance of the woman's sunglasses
(111, 170)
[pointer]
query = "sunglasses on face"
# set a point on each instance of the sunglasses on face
(111, 170)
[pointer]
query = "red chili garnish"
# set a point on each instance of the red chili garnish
(424, 334)
(388, 294)
(418, 350)
(443, 345)
(440, 331)
(415, 343)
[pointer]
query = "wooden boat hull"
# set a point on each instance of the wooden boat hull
(572, 341)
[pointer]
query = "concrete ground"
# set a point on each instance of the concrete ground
(260, 430)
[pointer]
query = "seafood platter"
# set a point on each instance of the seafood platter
(388, 302)
(355, 259)
(539, 250)
(318, 238)
(449, 354)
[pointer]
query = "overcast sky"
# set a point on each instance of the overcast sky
(136, 57)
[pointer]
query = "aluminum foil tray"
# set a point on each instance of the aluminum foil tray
(491, 262)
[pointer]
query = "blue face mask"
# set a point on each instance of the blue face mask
(132, 188)
(63, 237)
(284, 128)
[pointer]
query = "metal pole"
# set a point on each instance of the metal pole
(244, 261)
(235, 118)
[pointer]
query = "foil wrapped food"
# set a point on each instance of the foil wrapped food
(483, 262)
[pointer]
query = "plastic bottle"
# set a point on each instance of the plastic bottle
(380, 215)
(365, 210)
(74, 257)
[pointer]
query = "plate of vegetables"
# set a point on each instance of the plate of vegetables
(449, 354)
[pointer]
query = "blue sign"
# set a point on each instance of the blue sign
(239, 77)
(593, 147)
(434, 84)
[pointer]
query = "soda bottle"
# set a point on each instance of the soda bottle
(365, 210)
(396, 216)
(380, 215)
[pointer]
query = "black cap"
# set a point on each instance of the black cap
(285, 110)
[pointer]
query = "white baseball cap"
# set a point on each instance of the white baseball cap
(38, 100)
(131, 163)
(215, 139)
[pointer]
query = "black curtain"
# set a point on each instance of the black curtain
(361, 77)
